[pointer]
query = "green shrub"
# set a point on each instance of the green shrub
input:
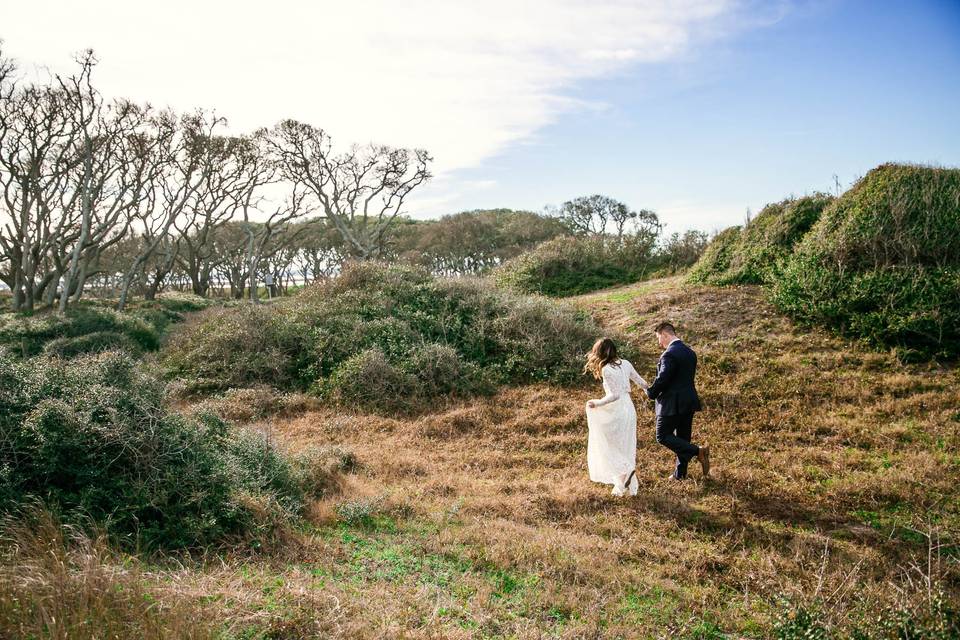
(181, 302)
(91, 439)
(922, 618)
(769, 237)
(28, 335)
(716, 259)
(883, 263)
(570, 265)
(387, 337)
(368, 380)
(91, 343)
(235, 347)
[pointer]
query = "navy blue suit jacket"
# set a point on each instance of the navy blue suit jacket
(674, 389)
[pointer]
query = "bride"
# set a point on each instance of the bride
(612, 420)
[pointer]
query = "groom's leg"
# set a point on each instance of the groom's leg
(684, 432)
(668, 428)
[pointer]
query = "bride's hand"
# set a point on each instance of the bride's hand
(644, 384)
(591, 404)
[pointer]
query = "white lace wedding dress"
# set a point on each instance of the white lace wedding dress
(612, 423)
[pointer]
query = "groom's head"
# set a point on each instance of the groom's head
(665, 333)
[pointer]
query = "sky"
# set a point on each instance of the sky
(697, 109)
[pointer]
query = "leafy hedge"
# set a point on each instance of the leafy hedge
(570, 265)
(91, 439)
(750, 256)
(384, 337)
(883, 263)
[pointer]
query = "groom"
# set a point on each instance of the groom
(677, 400)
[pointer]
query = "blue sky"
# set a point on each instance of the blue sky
(831, 88)
(697, 109)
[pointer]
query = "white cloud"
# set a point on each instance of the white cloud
(464, 79)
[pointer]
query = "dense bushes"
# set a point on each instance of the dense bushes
(750, 255)
(94, 326)
(926, 616)
(883, 263)
(69, 333)
(569, 265)
(91, 438)
(385, 337)
(880, 263)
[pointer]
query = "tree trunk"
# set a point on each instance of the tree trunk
(71, 274)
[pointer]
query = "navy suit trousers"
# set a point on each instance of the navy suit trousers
(674, 433)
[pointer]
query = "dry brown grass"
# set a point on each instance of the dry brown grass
(831, 465)
(58, 583)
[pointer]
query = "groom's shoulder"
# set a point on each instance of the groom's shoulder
(681, 346)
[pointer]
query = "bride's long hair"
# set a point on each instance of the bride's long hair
(603, 353)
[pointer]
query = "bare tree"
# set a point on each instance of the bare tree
(231, 173)
(361, 191)
(170, 170)
(114, 176)
(37, 158)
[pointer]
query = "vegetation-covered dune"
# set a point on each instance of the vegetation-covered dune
(570, 265)
(750, 255)
(880, 263)
(716, 257)
(883, 263)
(385, 338)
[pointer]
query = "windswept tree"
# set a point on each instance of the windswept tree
(38, 155)
(472, 242)
(114, 177)
(172, 179)
(603, 216)
(318, 250)
(360, 192)
(231, 170)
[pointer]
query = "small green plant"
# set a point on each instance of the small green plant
(360, 512)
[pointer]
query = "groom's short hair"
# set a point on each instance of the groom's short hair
(665, 326)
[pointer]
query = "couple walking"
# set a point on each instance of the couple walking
(612, 420)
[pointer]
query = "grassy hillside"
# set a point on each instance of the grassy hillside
(833, 466)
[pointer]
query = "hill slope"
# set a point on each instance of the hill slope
(831, 465)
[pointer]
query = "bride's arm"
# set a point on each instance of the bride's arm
(638, 379)
(611, 396)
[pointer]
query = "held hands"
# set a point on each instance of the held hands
(644, 384)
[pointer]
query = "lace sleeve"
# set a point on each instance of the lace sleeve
(609, 383)
(636, 377)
